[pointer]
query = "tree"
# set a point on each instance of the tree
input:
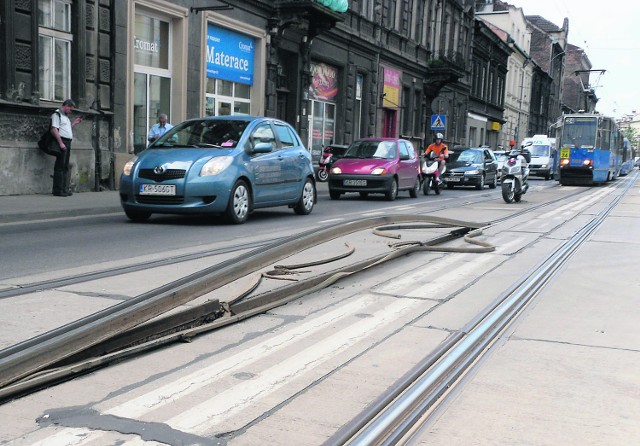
(632, 135)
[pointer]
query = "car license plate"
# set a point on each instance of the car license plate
(157, 189)
(354, 182)
(452, 180)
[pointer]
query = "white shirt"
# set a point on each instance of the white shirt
(63, 124)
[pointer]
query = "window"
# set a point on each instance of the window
(357, 118)
(263, 133)
(227, 98)
(54, 49)
(286, 136)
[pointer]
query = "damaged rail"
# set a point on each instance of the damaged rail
(124, 329)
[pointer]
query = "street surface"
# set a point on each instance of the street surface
(563, 373)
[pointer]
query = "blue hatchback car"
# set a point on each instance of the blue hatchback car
(227, 165)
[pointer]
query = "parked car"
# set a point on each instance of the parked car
(376, 165)
(471, 167)
(226, 165)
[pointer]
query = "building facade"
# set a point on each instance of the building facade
(335, 71)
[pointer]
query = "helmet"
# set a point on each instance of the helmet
(439, 136)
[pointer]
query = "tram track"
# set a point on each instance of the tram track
(407, 407)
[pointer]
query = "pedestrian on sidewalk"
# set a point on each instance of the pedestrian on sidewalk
(159, 129)
(62, 130)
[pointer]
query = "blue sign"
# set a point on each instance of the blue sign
(438, 122)
(229, 55)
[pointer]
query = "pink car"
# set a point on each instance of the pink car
(376, 165)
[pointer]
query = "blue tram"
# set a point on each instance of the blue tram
(591, 149)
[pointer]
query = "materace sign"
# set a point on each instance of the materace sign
(229, 55)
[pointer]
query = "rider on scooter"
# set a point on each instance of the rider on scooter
(441, 151)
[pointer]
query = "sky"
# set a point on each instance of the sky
(609, 33)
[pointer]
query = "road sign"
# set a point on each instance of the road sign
(438, 122)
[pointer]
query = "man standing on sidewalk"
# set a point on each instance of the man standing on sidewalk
(62, 130)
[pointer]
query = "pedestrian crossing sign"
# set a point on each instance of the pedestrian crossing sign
(438, 122)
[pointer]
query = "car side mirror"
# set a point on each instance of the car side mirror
(404, 157)
(262, 147)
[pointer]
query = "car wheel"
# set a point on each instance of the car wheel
(237, 210)
(364, 194)
(137, 216)
(480, 186)
(494, 183)
(392, 193)
(416, 188)
(334, 194)
(304, 206)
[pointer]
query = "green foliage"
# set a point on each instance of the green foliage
(632, 135)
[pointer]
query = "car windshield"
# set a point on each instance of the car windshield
(205, 133)
(372, 149)
(468, 156)
(539, 150)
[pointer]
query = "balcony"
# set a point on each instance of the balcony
(444, 67)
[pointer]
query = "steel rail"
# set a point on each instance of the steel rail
(31, 356)
(392, 416)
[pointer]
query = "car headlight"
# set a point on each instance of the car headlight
(336, 170)
(129, 165)
(215, 165)
(472, 172)
(377, 171)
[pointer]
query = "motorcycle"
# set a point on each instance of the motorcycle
(428, 168)
(329, 155)
(515, 175)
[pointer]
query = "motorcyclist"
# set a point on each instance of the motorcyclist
(441, 151)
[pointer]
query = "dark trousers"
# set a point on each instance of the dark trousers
(61, 170)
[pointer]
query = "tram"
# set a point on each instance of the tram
(628, 160)
(591, 149)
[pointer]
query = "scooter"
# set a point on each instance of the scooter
(428, 168)
(515, 175)
(324, 164)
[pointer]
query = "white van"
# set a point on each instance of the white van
(544, 155)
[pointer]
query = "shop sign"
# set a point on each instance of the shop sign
(391, 92)
(324, 84)
(151, 42)
(229, 55)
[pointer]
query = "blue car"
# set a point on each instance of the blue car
(227, 165)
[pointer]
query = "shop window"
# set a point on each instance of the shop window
(152, 81)
(227, 98)
(54, 49)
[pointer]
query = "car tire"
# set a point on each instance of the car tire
(480, 186)
(416, 189)
(304, 206)
(494, 183)
(335, 195)
(137, 216)
(239, 204)
(392, 193)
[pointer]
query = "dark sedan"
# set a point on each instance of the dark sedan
(471, 167)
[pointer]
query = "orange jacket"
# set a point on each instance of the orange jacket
(439, 149)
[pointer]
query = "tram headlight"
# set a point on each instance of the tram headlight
(587, 163)
(565, 162)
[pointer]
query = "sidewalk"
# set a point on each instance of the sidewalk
(18, 208)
